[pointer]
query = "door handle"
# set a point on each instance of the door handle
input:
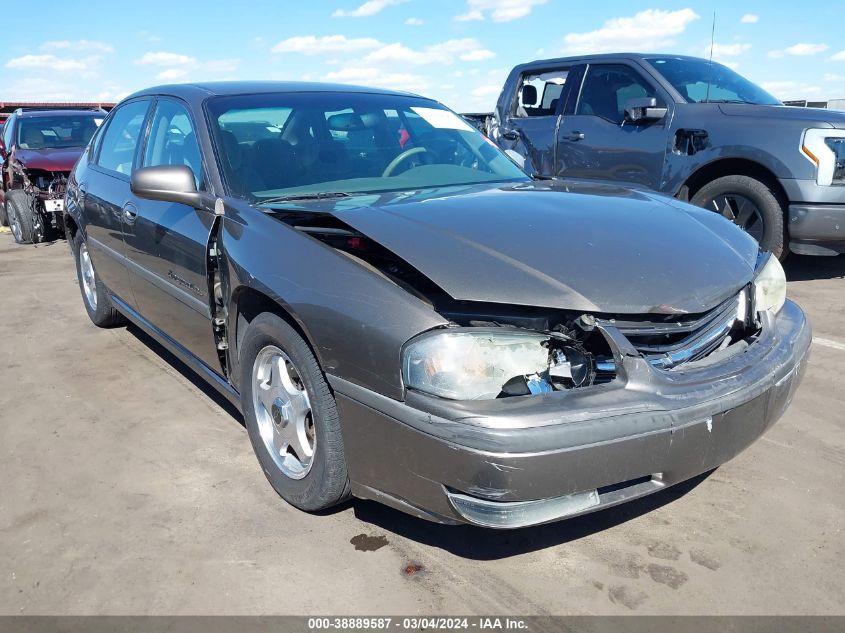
(130, 213)
(575, 136)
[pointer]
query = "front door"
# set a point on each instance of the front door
(597, 142)
(167, 243)
(105, 212)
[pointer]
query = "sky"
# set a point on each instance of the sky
(457, 51)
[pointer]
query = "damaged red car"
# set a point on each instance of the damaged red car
(38, 149)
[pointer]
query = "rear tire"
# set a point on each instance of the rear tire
(95, 295)
(730, 196)
(309, 482)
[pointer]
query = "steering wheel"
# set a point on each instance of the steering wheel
(391, 167)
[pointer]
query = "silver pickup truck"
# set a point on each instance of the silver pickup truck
(687, 127)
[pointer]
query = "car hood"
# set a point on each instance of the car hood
(813, 116)
(49, 159)
(587, 247)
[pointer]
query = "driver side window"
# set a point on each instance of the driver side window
(608, 87)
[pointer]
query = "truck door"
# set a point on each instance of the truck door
(167, 242)
(529, 123)
(596, 141)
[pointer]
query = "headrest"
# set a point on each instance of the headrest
(345, 121)
(529, 95)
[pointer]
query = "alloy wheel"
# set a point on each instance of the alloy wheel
(89, 278)
(741, 211)
(283, 412)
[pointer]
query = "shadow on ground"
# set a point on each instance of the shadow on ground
(807, 268)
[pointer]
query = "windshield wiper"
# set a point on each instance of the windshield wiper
(317, 195)
(729, 101)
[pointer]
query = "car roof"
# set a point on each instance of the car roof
(604, 57)
(34, 114)
(192, 91)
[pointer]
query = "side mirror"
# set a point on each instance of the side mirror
(168, 183)
(643, 109)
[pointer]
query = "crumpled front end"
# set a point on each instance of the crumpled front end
(673, 408)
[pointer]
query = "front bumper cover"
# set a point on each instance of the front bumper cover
(575, 451)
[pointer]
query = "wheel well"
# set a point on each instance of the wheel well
(71, 228)
(733, 167)
(249, 303)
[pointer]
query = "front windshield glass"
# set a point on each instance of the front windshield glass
(299, 144)
(701, 81)
(53, 132)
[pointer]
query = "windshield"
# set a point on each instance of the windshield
(701, 81)
(295, 144)
(52, 132)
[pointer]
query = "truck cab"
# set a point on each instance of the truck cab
(687, 127)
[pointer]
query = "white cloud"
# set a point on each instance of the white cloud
(750, 18)
(78, 45)
(312, 45)
(172, 74)
(371, 7)
(490, 90)
(414, 22)
(838, 57)
(372, 76)
(467, 49)
(792, 90)
(648, 30)
(499, 10)
(799, 50)
(48, 62)
(833, 77)
(727, 50)
(165, 59)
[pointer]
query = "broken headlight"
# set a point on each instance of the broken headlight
(770, 286)
(486, 364)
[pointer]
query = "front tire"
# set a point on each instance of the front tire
(750, 204)
(95, 295)
(20, 216)
(291, 416)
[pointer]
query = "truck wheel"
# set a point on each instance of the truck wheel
(95, 296)
(20, 215)
(751, 205)
(291, 416)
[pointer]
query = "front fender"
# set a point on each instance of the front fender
(355, 320)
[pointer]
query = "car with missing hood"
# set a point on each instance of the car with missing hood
(402, 314)
(38, 148)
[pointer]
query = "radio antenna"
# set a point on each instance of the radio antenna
(710, 66)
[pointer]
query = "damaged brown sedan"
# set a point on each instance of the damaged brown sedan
(403, 315)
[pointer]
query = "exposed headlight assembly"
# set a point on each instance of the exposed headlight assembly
(481, 364)
(770, 286)
(825, 148)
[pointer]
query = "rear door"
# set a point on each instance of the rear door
(167, 242)
(107, 199)
(595, 141)
(530, 125)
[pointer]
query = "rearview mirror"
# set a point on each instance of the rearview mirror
(168, 183)
(642, 109)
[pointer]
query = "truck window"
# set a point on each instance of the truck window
(606, 89)
(539, 93)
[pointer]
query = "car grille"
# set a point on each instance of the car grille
(674, 340)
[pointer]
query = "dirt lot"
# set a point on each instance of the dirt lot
(128, 487)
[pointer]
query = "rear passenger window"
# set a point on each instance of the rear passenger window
(117, 150)
(172, 140)
(540, 93)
